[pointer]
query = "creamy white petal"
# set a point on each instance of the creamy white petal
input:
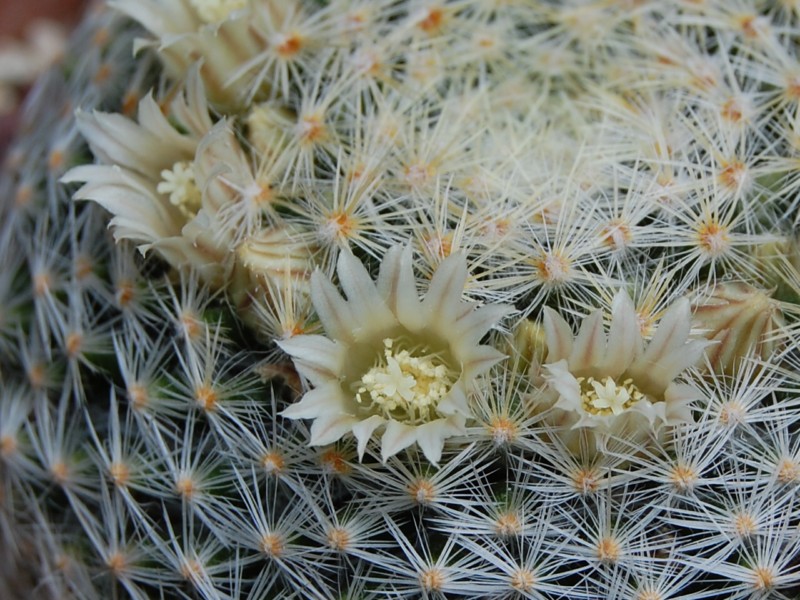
(473, 326)
(397, 285)
(674, 363)
(624, 338)
(558, 335)
(363, 297)
(431, 437)
(115, 139)
(191, 107)
(455, 402)
(152, 119)
(220, 167)
(322, 400)
(562, 381)
(444, 294)
(654, 412)
(479, 359)
(678, 398)
(159, 17)
(180, 252)
(334, 312)
(330, 428)
(672, 332)
(363, 430)
(316, 358)
(589, 347)
(140, 213)
(396, 437)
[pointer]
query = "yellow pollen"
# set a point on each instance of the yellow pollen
(438, 244)
(751, 26)
(129, 103)
(56, 159)
(793, 88)
(101, 37)
(338, 226)
(178, 183)
(103, 74)
(263, 194)
(606, 397)
(23, 196)
(404, 386)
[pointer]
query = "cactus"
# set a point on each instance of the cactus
(354, 299)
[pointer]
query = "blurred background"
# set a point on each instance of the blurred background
(32, 36)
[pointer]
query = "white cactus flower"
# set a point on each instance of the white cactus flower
(615, 384)
(147, 180)
(390, 359)
(219, 31)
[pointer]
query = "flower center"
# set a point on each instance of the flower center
(179, 184)
(606, 397)
(214, 11)
(406, 385)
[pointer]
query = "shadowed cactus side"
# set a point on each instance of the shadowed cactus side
(471, 299)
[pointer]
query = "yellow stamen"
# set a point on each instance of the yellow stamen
(406, 386)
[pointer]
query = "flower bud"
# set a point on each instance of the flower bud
(528, 347)
(741, 319)
(274, 254)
